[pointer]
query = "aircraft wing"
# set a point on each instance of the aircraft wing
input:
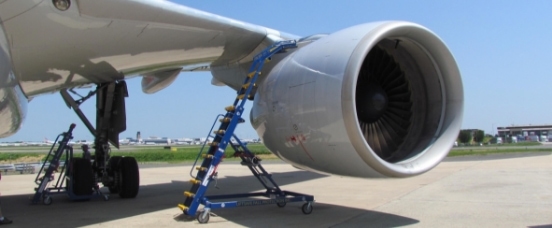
(98, 40)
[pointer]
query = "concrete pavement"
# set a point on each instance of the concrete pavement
(481, 191)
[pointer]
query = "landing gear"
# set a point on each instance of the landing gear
(119, 174)
(114, 171)
(129, 178)
(126, 176)
(83, 177)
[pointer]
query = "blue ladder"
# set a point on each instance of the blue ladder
(53, 164)
(272, 195)
(223, 136)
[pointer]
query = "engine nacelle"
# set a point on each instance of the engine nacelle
(373, 100)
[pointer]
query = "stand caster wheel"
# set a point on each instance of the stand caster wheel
(307, 208)
(203, 217)
(282, 204)
(47, 200)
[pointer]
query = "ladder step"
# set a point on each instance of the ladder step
(227, 120)
(213, 144)
(241, 96)
(207, 155)
(189, 194)
(182, 207)
(201, 168)
(194, 181)
(220, 132)
(250, 75)
(230, 108)
(246, 85)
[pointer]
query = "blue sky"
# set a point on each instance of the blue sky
(503, 50)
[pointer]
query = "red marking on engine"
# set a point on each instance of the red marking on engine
(304, 149)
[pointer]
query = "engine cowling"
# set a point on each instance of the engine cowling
(380, 99)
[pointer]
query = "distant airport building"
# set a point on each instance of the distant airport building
(525, 133)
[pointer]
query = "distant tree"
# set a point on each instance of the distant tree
(479, 136)
(487, 139)
(465, 136)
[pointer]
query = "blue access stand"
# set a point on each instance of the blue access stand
(52, 164)
(215, 153)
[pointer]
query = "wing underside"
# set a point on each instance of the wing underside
(103, 40)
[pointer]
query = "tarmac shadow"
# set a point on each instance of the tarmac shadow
(323, 215)
(64, 212)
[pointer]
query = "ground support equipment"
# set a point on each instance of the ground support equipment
(223, 137)
(75, 173)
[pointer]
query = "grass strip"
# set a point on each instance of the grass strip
(189, 153)
(182, 153)
(16, 156)
(466, 152)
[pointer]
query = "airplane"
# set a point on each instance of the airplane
(36, 143)
(124, 141)
(50, 142)
(183, 141)
(47, 142)
(375, 100)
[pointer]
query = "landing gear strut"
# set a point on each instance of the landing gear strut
(119, 174)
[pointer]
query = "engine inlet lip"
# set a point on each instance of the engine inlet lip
(440, 56)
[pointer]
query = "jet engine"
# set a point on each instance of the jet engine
(381, 99)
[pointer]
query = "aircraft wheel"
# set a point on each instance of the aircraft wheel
(307, 208)
(113, 190)
(282, 204)
(83, 177)
(130, 178)
(114, 171)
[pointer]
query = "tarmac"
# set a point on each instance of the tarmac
(513, 190)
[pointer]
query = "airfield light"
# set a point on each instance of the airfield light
(62, 4)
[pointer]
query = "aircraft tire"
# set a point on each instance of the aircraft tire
(115, 172)
(130, 178)
(83, 177)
